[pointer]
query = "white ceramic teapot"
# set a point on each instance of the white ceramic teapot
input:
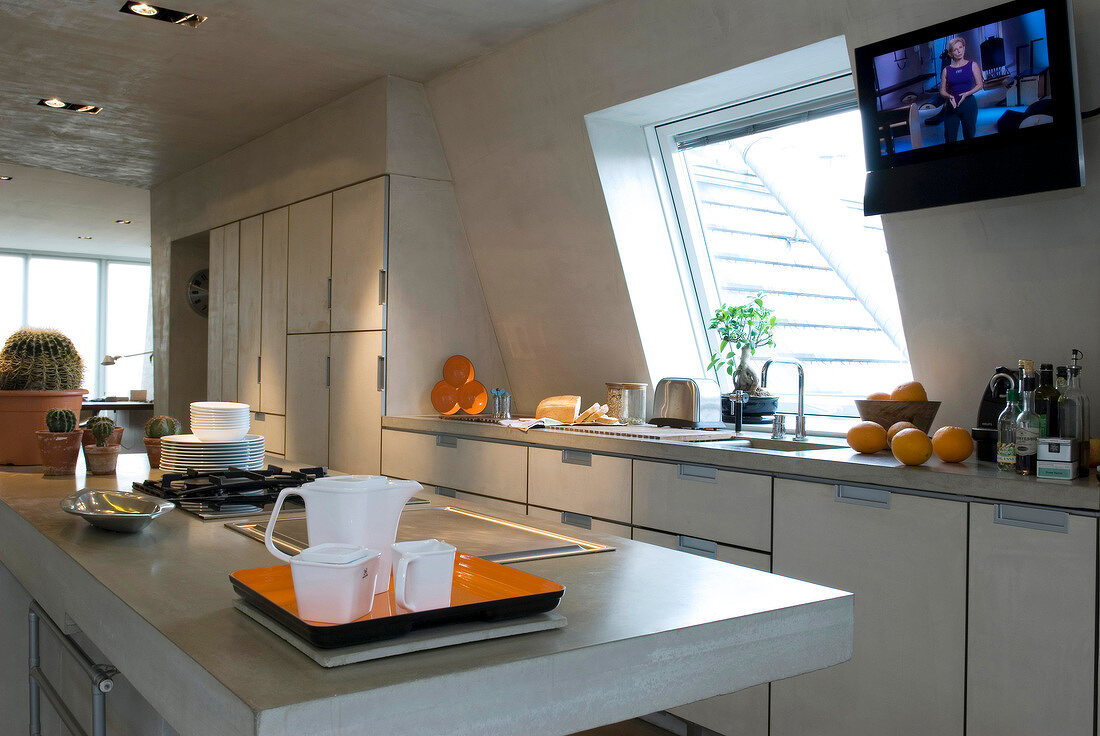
(361, 510)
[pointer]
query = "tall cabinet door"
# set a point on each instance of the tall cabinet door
(249, 292)
(231, 236)
(309, 265)
(904, 558)
(307, 398)
(273, 313)
(215, 339)
(357, 399)
(358, 252)
(1032, 642)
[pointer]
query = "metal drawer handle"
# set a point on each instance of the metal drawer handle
(872, 497)
(1044, 520)
(576, 457)
(444, 491)
(698, 472)
(446, 440)
(696, 546)
(381, 373)
(381, 287)
(584, 522)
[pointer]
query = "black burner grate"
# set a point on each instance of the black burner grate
(230, 491)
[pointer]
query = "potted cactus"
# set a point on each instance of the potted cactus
(159, 426)
(59, 443)
(39, 370)
(116, 433)
(102, 456)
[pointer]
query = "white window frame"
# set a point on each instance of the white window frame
(101, 306)
(685, 224)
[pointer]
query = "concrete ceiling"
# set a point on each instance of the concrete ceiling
(175, 97)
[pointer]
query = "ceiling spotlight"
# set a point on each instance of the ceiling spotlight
(124, 222)
(5, 178)
(84, 237)
(74, 106)
(168, 15)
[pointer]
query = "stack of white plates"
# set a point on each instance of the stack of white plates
(220, 421)
(178, 452)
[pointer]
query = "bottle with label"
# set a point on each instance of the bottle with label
(1046, 402)
(1006, 432)
(1028, 424)
(1073, 414)
(1061, 378)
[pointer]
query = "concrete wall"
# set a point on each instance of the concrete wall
(978, 284)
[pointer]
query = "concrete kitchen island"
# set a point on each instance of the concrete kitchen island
(648, 629)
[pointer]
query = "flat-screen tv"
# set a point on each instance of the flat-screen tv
(977, 107)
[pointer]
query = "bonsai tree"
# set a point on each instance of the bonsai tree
(162, 425)
(34, 359)
(742, 330)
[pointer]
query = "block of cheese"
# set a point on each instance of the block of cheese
(562, 408)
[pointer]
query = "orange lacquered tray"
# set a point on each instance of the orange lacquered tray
(481, 591)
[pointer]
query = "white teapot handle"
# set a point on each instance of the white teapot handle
(271, 523)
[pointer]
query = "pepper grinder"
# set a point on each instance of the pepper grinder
(738, 399)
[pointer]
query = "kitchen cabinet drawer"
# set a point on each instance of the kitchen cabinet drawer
(580, 521)
(250, 289)
(745, 712)
(488, 468)
(1031, 634)
(722, 552)
(902, 556)
(273, 429)
(701, 501)
(488, 502)
(582, 482)
(273, 313)
(309, 263)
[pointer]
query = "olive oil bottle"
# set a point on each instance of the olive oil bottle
(1028, 424)
(1046, 402)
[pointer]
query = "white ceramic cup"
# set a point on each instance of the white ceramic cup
(334, 583)
(422, 573)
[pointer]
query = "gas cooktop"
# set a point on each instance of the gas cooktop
(227, 493)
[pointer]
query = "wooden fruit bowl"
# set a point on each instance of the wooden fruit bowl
(888, 413)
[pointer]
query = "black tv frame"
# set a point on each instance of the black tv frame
(1024, 161)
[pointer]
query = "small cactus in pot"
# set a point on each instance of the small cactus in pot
(102, 457)
(59, 443)
(159, 426)
(89, 429)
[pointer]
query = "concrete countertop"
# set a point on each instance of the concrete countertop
(968, 479)
(648, 628)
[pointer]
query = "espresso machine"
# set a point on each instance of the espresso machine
(992, 404)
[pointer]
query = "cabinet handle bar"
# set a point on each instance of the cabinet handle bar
(1044, 520)
(873, 497)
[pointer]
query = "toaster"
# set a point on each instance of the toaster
(687, 402)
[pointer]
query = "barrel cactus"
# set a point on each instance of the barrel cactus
(162, 425)
(60, 420)
(35, 359)
(102, 430)
(90, 424)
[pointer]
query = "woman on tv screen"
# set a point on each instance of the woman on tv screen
(958, 82)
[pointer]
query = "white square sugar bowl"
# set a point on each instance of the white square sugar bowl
(334, 583)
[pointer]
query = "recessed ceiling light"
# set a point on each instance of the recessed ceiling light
(84, 237)
(124, 222)
(57, 104)
(5, 178)
(168, 15)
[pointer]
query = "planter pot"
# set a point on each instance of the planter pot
(101, 460)
(22, 413)
(114, 439)
(59, 451)
(756, 410)
(152, 449)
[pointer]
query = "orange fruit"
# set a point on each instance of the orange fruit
(952, 444)
(867, 437)
(911, 446)
(897, 427)
(878, 396)
(912, 391)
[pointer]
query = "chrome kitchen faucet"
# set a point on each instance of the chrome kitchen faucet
(800, 421)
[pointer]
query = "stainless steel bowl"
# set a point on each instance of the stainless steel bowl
(118, 511)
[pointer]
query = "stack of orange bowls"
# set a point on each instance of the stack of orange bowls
(458, 389)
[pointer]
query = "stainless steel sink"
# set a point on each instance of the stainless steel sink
(766, 443)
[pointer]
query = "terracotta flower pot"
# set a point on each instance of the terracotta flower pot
(24, 412)
(101, 460)
(59, 451)
(114, 439)
(152, 449)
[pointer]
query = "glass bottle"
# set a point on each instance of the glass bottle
(1006, 432)
(1028, 423)
(1073, 413)
(1061, 378)
(1046, 402)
